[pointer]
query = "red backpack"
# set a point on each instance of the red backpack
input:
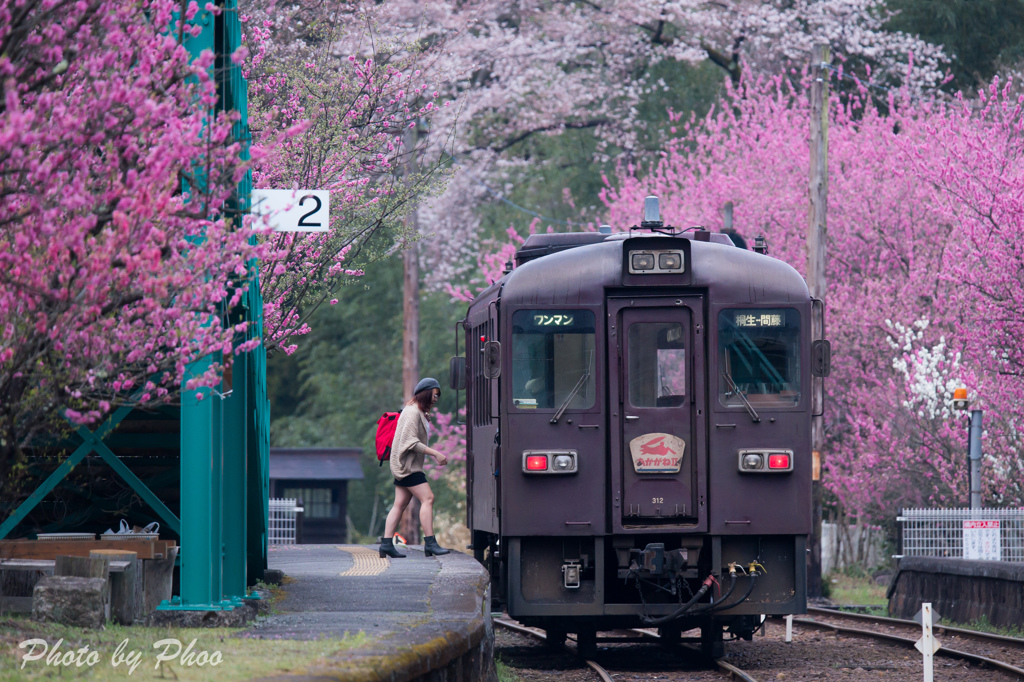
(386, 435)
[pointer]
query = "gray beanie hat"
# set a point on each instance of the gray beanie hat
(426, 383)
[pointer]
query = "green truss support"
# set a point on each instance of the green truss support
(92, 442)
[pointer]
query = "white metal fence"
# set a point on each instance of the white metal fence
(281, 529)
(988, 534)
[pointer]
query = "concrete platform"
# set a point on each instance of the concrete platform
(426, 618)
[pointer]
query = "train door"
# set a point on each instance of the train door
(482, 401)
(659, 392)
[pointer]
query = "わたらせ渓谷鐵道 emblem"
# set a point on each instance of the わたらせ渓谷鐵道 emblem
(657, 453)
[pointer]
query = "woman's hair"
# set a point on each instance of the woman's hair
(423, 399)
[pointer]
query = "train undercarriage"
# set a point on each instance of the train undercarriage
(723, 585)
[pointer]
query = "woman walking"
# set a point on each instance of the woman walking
(408, 451)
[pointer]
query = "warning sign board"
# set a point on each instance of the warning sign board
(981, 540)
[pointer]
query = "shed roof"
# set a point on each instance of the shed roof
(316, 464)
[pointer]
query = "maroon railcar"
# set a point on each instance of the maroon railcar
(638, 421)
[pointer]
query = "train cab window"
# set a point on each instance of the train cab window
(657, 364)
(759, 357)
(553, 359)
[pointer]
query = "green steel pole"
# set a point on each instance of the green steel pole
(200, 556)
(235, 475)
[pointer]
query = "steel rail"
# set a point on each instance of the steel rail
(974, 634)
(943, 651)
(516, 627)
(729, 668)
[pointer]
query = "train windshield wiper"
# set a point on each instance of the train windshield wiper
(743, 397)
(575, 389)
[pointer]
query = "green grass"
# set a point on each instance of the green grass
(982, 625)
(241, 657)
(505, 673)
(853, 589)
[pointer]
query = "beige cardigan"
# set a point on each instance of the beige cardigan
(408, 449)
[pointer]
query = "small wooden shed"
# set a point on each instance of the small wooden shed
(318, 477)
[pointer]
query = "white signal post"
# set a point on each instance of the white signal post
(927, 645)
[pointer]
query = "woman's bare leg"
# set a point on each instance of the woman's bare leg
(425, 495)
(402, 499)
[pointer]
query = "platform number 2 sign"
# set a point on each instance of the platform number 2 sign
(286, 210)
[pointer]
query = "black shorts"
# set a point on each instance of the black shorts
(412, 479)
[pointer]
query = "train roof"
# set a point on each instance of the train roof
(578, 268)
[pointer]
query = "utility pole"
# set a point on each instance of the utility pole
(974, 455)
(817, 234)
(410, 523)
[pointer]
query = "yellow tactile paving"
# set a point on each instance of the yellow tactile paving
(367, 561)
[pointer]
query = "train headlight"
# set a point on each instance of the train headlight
(643, 261)
(550, 461)
(765, 461)
(657, 262)
(752, 461)
(670, 261)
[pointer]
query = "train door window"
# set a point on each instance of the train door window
(553, 359)
(657, 364)
(759, 357)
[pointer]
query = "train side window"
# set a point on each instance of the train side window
(657, 364)
(553, 357)
(759, 357)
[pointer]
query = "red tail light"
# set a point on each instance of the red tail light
(537, 463)
(778, 461)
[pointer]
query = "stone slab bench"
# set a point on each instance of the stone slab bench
(120, 602)
(24, 604)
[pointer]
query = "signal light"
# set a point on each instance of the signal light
(778, 461)
(960, 399)
(537, 463)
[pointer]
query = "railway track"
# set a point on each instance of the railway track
(732, 671)
(826, 646)
(996, 651)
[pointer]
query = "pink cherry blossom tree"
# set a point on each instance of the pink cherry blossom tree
(117, 265)
(922, 213)
(350, 93)
(538, 69)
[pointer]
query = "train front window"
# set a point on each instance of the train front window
(759, 357)
(553, 358)
(657, 364)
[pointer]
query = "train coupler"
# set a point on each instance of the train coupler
(654, 561)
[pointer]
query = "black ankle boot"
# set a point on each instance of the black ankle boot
(387, 548)
(431, 548)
